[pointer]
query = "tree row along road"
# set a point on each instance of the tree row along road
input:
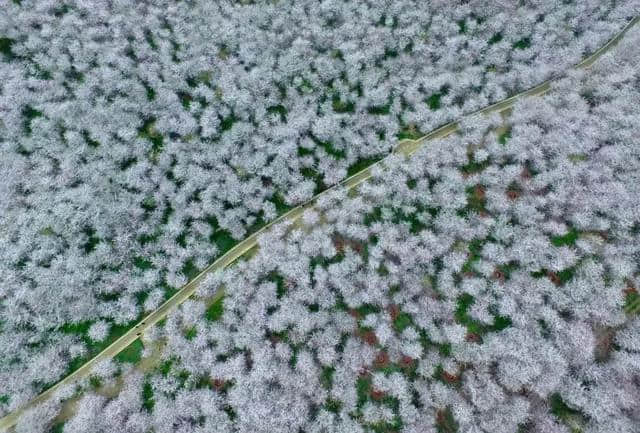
(406, 147)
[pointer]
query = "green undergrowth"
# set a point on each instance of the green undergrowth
(81, 330)
(573, 418)
(474, 327)
(410, 132)
(132, 353)
(632, 302)
(215, 310)
(361, 164)
(415, 220)
(568, 239)
(148, 401)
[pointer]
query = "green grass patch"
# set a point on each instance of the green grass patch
(312, 174)
(402, 322)
(142, 263)
(568, 239)
(280, 110)
(278, 279)
(281, 207)
(5, 48)
(411, 132)
(559, 408)
(132, 353)
(148, 131)
(95, 382)
(340, 106)
(190, 270)
(462, 26)
(495, 38)
(522, 44)
(57, 428)
(191, 333)
(363, 385)
(366, 309)
(331, 149)
(472, 166)
(147, 397)
(463, 303)
(216, 310)
(433, 101)
(361, 164)
(333, 405)
(326, 377)
(445, 422)
(29, 113)
(87, 138)
(379, 110)
(504, 137)
(632, 303)
(227, 122)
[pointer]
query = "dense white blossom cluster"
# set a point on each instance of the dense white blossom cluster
(477, 287)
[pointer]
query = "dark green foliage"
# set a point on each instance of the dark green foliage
(185, 99)
(191, 333)
(279, 109)
(411, 132)
(361, 164)
(462, 24)
(227, 122)
(223, 240)
(5, 48)
(142, 263)
(567, 239)
(522, 44)
(566, 275)
(57, 428)
(215, 310)
(157, 141)
(495, 38)
(380, 110)
(87, 138)
(326, 377)
(148, 204)
(340, 106)
(310, 173)
(92, 240)
(445, 422)
(632, 302)
(363, 385)
(147, 397)
(559, 408)
(333, 405)
(190, 270)
(365, 309)
(330, 148)
(402, 322)
(505, 136)
(281, 207)
(151, 93)
(95, 382)
(433, 101)
(473, 166)
(219, 237)
(474, 327)
(29, 113)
